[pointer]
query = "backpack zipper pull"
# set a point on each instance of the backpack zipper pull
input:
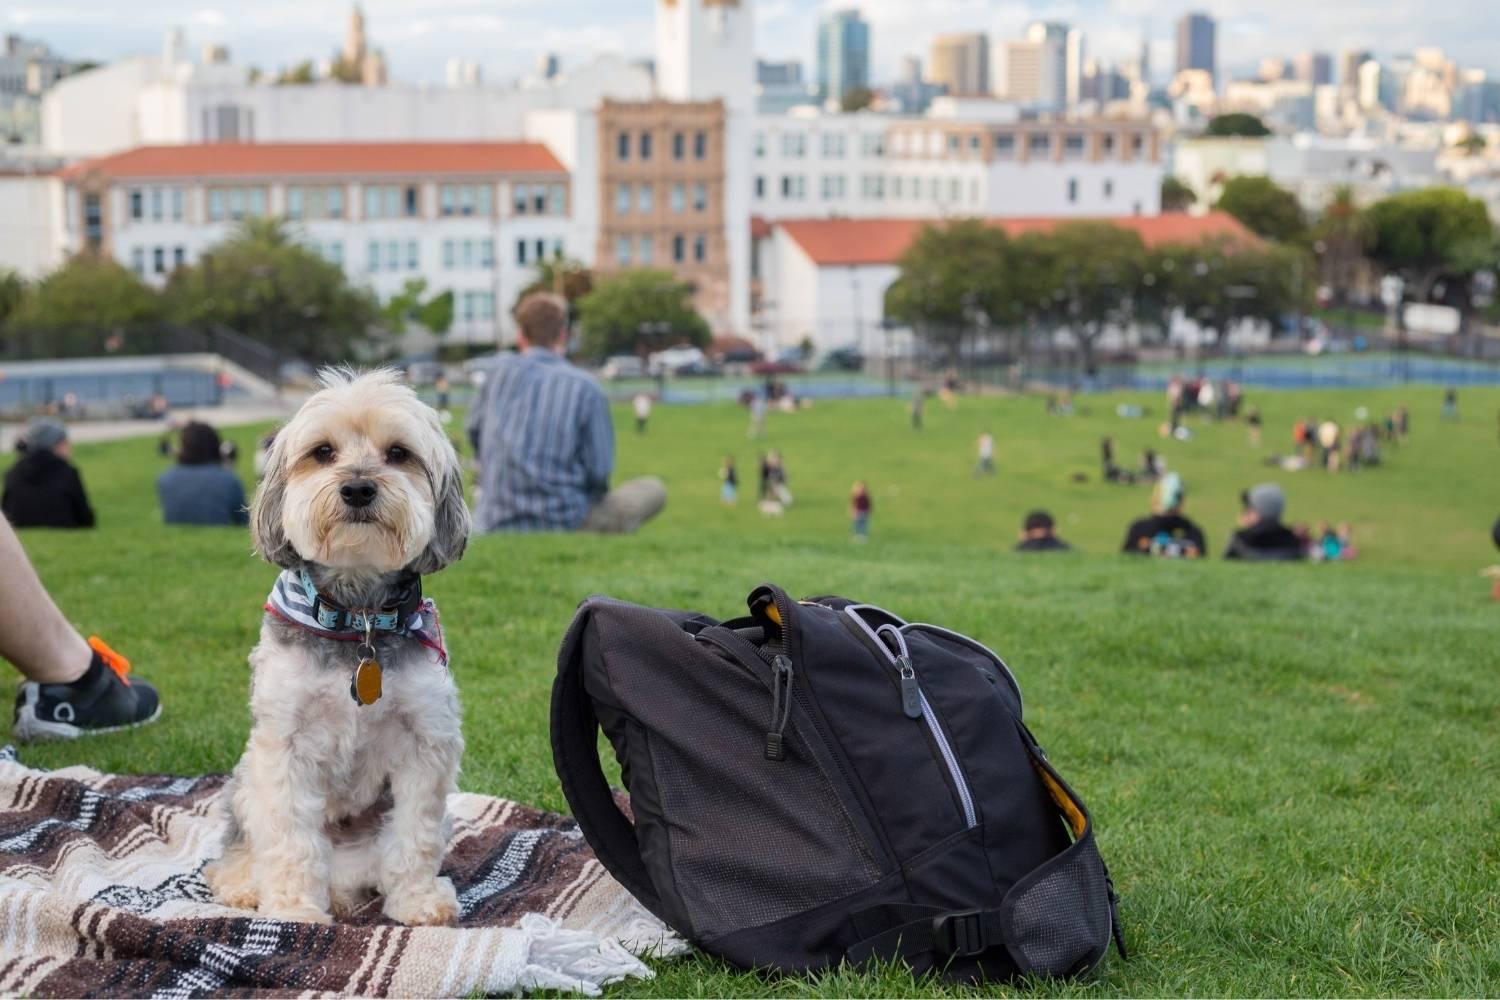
(781, 707)
(911, 694)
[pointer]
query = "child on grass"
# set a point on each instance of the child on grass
(859, 511)
(729, 482)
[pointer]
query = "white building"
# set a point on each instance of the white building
(826, 279)
(473, 218)
(813, 165)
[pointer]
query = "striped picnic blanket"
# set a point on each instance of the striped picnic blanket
(101, 895)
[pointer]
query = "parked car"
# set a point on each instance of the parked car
(842, 359)
(623, 366)
(669, 362)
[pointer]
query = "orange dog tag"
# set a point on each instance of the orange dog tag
(365, 684)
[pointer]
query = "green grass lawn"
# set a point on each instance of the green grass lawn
(1293, 769)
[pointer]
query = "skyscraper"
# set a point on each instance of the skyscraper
(1073, 70)
(1053, 64)
(843, 54)
(1195, 43)
(961, 63)
(1350, 60)
(1315, 68)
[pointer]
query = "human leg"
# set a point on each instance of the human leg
(34, 634)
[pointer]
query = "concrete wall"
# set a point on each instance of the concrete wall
(28, 206)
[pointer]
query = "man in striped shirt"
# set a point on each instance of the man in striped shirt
(542, 432)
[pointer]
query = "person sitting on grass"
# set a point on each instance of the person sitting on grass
(729, 483)
(1261, 536)
(43, 489)
(1166, 532)
(73, 687)
(1039, 534)
(544, 440)
(199, 489)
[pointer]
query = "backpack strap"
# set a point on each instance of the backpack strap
(575, 754)
(932, 933)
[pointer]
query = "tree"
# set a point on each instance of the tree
(1096, 268)
(857, 99)
(1429, 235)
(954, 279)
(1175, 195)
(12, 288)
(1472, 144)
(89, 305)
(1169, 284)
(1264, 207)
(1237, 124)
(302, 73)
(407, 306)
(638, 312)
(1342, 232)
(265, 285)
(562, 275)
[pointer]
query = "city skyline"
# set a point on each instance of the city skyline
(505, 36)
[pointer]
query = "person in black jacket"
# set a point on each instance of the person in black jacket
(1262, 537)
(43, 489)
(1039, 534)
(1167, 532)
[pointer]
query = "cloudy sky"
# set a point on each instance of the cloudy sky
(504, 36)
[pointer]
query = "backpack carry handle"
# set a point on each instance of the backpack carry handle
(575, 754)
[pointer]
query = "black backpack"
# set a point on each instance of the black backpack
(822, 781)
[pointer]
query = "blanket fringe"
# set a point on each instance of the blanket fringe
(560, 959)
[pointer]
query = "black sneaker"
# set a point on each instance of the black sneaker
(103, 700)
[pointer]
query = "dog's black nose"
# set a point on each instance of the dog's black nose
(358, 492)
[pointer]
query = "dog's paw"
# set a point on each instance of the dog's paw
(343, 902)
(427, 904)
(231, 886)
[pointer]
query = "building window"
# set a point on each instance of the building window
(760, 145)
(334, 201)
(786, 185)
(487, 254)
(393, 256)
(466, 259)
(336, 253)
(447, 200)
(1136, 210)
(955, 190)
(558, 196)
(833, 146)
(294, 203)
(257, 202)
(679, 248)
(557, 248)
(521, 252)
(177, 204)
(955, 143)
(622, 199)
(679, 146)
(1005, 146)
(138, 261)
(156, 205)
(1072, 190)
(372, 202)
(647, 250)
(93, 221)
(974, 142)
(236, 204)
(1137, 146)
(1073, 146)
(1109, 190)
(622, 146)
(646, 199)
(1039, 144)
(412, 255)
(679, 197)
(179, 257)
(700, 248)
(645, 145)
(448, 255)
(1107, 145)
(484, 200)
(541, 251)
(622, 251)
(215, 206)
(519, 198)
(700, 146)
(137, 205)
(372, 264)
(793, 145)
(700, 197)
(760, 186)
(539, 199)
(896, 186)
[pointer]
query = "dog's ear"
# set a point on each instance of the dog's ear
(266, 531)
(450, 515)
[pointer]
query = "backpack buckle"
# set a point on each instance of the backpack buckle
(959, 934)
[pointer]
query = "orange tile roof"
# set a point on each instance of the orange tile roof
(857, 242)
(336, 158)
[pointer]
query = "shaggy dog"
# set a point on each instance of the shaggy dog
(355, 740)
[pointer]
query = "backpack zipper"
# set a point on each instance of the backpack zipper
(915, 706)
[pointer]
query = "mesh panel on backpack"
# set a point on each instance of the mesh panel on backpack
(1059, 924)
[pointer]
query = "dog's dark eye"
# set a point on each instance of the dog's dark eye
(323, 454)
(396, 454)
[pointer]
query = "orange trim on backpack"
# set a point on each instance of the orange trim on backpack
(112, 660)
(1064, 801)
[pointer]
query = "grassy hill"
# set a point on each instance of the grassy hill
(1293, 769)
